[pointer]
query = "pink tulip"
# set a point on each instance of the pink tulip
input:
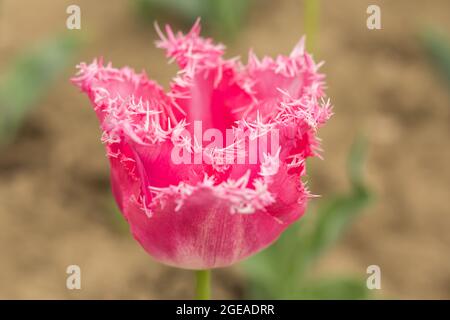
(212, 213)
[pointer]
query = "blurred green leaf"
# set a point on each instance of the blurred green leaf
(280, 271)
(115, 219)
(28, 78)
(187, 11)
(221, 16)
(339, 288)
(228, 15)
(438, 48)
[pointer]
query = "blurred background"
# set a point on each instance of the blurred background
(384, 182)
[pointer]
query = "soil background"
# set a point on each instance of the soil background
(56, 207)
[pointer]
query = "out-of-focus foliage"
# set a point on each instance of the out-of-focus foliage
(224, 17)
(281, 271)
(116, 220)
(311, 12)
(28, 78)
(438, 48)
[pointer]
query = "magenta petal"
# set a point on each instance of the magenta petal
(202, 234)
(155, 163)
(207, 87)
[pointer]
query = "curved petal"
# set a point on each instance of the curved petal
(206, 87)
(126, 101)
(156, 165)
(202, 234)
(125, 181)
(271, 80)
(290, 196)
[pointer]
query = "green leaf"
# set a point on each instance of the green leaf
(116, 220)
(228, 15)
(224, 17)
(279, 271)
(438, 48)
(27, 79)
(334, 215)
(274, 271)
(186, 11)
(338, 288)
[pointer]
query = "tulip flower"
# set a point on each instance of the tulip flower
(192, 202)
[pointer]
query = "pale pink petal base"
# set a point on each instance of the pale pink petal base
(220, 238)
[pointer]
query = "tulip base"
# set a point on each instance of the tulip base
(203, 284)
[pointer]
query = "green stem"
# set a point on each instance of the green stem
(203, 287)
(311, 18)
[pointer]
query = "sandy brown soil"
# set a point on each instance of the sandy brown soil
(55, 203)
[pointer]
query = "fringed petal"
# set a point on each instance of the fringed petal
(237, 199)
(195, 228)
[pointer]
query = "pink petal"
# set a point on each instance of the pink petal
(202, 234)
